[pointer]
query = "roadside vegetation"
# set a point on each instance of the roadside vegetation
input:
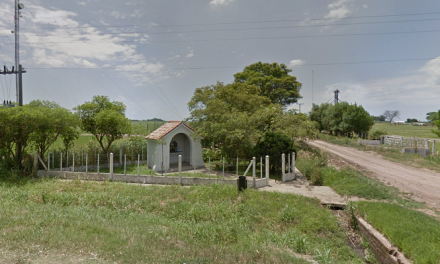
(114, 222)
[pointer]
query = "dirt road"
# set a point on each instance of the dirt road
(423, 184)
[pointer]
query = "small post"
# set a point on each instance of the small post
(267, 169)
(283, 166)
(82, 160)
(209, 167)
(293, 165)
(73, 162)
(261, 167)
(237, 167)
(111, 166)
(288, 163)
(87, 162)
(180, 169)
(120, 156)
(125, 164)
(61, 161)
(142, 153)
(426, 144)
(194, 164)
(98, 164)
(223, 168)
(254, 171)
(67, 158)
(433, 147)
(35, 164)
(48, 161)
(139, 161)
(53, 159)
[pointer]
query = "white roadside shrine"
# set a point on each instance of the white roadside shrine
(174, 138)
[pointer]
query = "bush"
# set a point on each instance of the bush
(376, 134)
(274, 145)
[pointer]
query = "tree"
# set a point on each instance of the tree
(390, 115)
(273, 81)
(53, 122)
(437, 123)
(105, 120)
(432, 116)
(274, 145)
(411, 120)
(379, 118)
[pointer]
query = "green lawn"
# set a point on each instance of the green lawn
(406, 130)
(48, 220)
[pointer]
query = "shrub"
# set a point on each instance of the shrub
(274, 145)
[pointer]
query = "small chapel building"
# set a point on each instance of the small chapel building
(174, 138)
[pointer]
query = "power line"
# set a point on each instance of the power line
(238, 39)
(237, 29)
(243, 22)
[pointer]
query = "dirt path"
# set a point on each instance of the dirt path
(423, 184)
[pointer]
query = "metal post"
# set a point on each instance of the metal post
(180, 169)
(61, 161)
(73, 162)
(67, 159)
(53, 159)
(194, 164)
(120, 155)
(209, 167)
(261, 167)
(111, 166)
(267, 170)
(125, 164)
(48, 161)
(254, 171)
(87, 161)
(139, 157)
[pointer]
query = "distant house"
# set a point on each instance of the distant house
(398, 122)
(172, 139)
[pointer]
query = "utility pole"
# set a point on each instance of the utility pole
(336, 96)
(300, 104)
(18, 72)
(18, 7)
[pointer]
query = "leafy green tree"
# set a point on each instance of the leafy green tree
(273, 81)
(274, 145)
(104, 119)
(437, 123)
(52, 122)
(432, 116)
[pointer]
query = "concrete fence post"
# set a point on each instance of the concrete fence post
(180, 169)
(433, 147)
(426, 144)
(97, 165)
(35, 164)
(254, 171)
(125, 164)
(139, 161)
(261, 167)
(87, 162)
(283, 166)
(288, 163)
(111, 165)
(293, 165)
(267, 169)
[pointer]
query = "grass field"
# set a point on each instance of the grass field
(54, 221)
(406, 130)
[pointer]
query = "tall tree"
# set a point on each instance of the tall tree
(273, 80)
(437, 123)
(104, 119)
(432, 116)
(390, 115)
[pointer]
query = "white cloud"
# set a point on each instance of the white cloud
(220, 2)
(82, 3)
(296, 62)
(339, 9)
(189, 55)
(365, 6)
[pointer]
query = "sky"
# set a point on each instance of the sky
(152, 54)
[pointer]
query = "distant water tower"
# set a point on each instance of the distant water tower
(336, 96)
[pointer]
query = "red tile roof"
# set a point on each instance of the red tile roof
(166, 128)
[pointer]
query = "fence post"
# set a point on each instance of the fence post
(67, 158)
(35, 164)
(73, 162)
(288, 163)
(433, 147)
(98, 164)
(194, 164)
(61, 161)
(142, 158)
(254, 171)
(48, 161)
(120, 156)
(426, 144)
(87, 162)
(53, 160)
(180, 169)
(283, 166)
(223, 168)
(293, 165)
(209, 167)
(111, 165)
(125, 164)
(267, 169)
(237, 166)
(261, 167)
(139, 160)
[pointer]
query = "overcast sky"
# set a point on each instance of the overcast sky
(153, 54)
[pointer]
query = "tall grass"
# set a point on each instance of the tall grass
(133, 224)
